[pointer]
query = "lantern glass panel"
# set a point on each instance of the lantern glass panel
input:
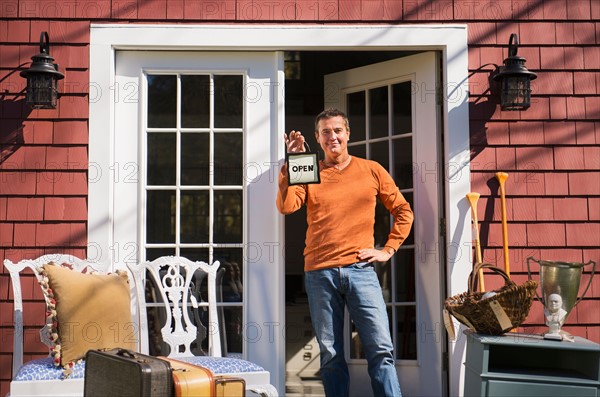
(42, 91)
(516, 92)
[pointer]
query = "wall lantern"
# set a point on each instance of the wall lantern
(514, 78)
(42, 78)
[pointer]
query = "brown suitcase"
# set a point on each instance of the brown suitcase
(194, 380)
(122, 372)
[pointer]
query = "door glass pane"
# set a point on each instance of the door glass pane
(195, 101)
(357, 115)
(358, 150)
(356, 345)
(195, 159)
(160, 216)
(199, 316)
(406, 337)
(410, 240)
(228, 217)
(231, 273)
(402, 108)
(161, 160)
(405, 274)
(195, 254)
(231, 318)
(230, 290)
(194, 208)
(228, 101)
(356, 349)
(162, 101)
(378, 112)
(154, 253)
(403, 163)
(382, 224)
(380, 153)
(384, 273)
(228, 159)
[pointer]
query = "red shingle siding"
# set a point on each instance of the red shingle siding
(568, 158)
(584, 183)
(583, 234)
(6, 234)
(65, 208)
(556, 189)
(551, 151)
(546, 234)
(571, 209)
(24, 235)
(496, 133)
(569, 255)
(175, 10)
(152, 9)
(544, 209)
(70, 132)
(44, 152)
(560, 132)
(524, 209)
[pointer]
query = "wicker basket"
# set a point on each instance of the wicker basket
(474, 311)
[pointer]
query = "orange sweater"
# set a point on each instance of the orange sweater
(341, 211)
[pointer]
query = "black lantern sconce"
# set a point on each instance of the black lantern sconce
(42, 78)
(515, 79)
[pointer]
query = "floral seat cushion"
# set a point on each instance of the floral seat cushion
(44, 369)
(223, 365)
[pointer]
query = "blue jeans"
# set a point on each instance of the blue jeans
(357, 287)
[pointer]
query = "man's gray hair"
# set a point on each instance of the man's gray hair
(328, 114)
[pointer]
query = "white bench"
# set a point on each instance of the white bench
(174, 282)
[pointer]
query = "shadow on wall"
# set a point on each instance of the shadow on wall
(11, 130)
(13, 110)
(481, 110)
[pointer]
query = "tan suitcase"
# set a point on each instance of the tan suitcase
(193, 380)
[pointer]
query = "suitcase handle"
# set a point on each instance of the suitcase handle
(127, 353)
(132, 355)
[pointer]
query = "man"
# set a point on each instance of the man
(339, 252)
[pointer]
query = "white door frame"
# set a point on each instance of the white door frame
(451, 40)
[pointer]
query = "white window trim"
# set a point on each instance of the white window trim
(451, 40)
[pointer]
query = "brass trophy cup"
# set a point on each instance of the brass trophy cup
(559, 283)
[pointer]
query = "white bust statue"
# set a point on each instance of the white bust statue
(555, 314)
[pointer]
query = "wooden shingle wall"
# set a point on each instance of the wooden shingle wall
(551, 151)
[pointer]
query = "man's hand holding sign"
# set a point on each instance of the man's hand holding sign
(303, 166)
(294, 142)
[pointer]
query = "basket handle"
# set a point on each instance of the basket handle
(481, 266)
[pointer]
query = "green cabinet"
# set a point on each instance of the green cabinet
(516, 364)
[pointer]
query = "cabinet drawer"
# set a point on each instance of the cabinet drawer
(526, 389)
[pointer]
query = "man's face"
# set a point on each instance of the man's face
(333, 136)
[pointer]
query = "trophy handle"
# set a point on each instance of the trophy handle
(589, 282)
(529, 274)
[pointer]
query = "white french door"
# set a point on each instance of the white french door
(393, 120)
(190, 179)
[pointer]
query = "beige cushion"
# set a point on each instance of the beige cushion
(86, 311)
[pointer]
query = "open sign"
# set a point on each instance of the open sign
(303, 168)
